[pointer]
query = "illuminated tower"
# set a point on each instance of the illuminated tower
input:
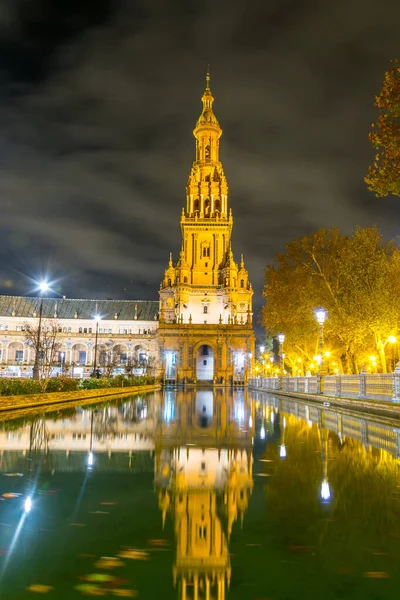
(205, 286)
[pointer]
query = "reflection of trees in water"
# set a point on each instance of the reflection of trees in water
(108, 420)
(39, 436)
(135, 411)
(364, 511)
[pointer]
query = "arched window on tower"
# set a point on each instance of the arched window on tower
(207, 205)
(242, 283)
(208, 152)
(205, 309)
(217, 205)
(169, 282)
(196, 205)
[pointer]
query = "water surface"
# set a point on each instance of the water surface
(227, 495)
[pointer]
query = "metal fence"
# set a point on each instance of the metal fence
(373, 386)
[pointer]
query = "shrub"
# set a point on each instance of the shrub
(61, 384)
(20, 387)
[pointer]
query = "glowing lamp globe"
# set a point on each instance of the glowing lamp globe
(44, 287)
(320, 315)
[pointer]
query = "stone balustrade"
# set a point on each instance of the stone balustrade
(373, 386)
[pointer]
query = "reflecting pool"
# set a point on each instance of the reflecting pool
(199, 495)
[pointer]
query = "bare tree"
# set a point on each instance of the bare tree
(138, 365)
(49, 345)
(109, 360)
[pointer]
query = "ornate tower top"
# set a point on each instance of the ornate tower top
(207, 117)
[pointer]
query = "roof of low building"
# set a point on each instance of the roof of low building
(68, 308)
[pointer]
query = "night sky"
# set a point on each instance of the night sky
(98, 103)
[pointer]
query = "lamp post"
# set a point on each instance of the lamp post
(97, 318)
(43, 288)
(392, 340)
(281, 339)
(320, 315)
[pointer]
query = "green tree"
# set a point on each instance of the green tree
(383, 176)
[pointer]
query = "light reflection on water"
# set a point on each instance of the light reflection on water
(244, 487)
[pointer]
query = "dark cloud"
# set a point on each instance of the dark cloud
(98, 102)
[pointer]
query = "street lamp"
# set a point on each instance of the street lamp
(392, 340)
(320, 315)
(97, 319)
(281, 339)
(43, 288)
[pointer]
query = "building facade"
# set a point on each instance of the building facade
(126, 337)
(199, 330)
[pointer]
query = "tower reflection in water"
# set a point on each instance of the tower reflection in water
(203, 478)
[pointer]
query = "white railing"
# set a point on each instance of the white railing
(373, 386)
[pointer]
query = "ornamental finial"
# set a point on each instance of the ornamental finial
(208, 79)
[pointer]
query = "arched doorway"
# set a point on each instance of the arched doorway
(205, 363)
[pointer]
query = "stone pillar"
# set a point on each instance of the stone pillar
(396, 383)
(338, 385)
(196, 588)
(362, 383)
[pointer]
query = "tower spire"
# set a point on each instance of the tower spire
(208, 79)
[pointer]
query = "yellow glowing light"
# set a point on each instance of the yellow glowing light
(372, 358)
(299, 360)
(392, 339)
(312, 366)
(327, 354)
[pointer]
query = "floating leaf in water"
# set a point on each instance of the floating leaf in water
(124, 593)
(98, 577)
(90, 590)
(39, 588)
(133, 554)
(376, 575)
(108, 562)
(161, 542)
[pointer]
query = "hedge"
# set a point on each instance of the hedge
(21, 387)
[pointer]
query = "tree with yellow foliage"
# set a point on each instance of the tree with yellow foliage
(355, 278)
